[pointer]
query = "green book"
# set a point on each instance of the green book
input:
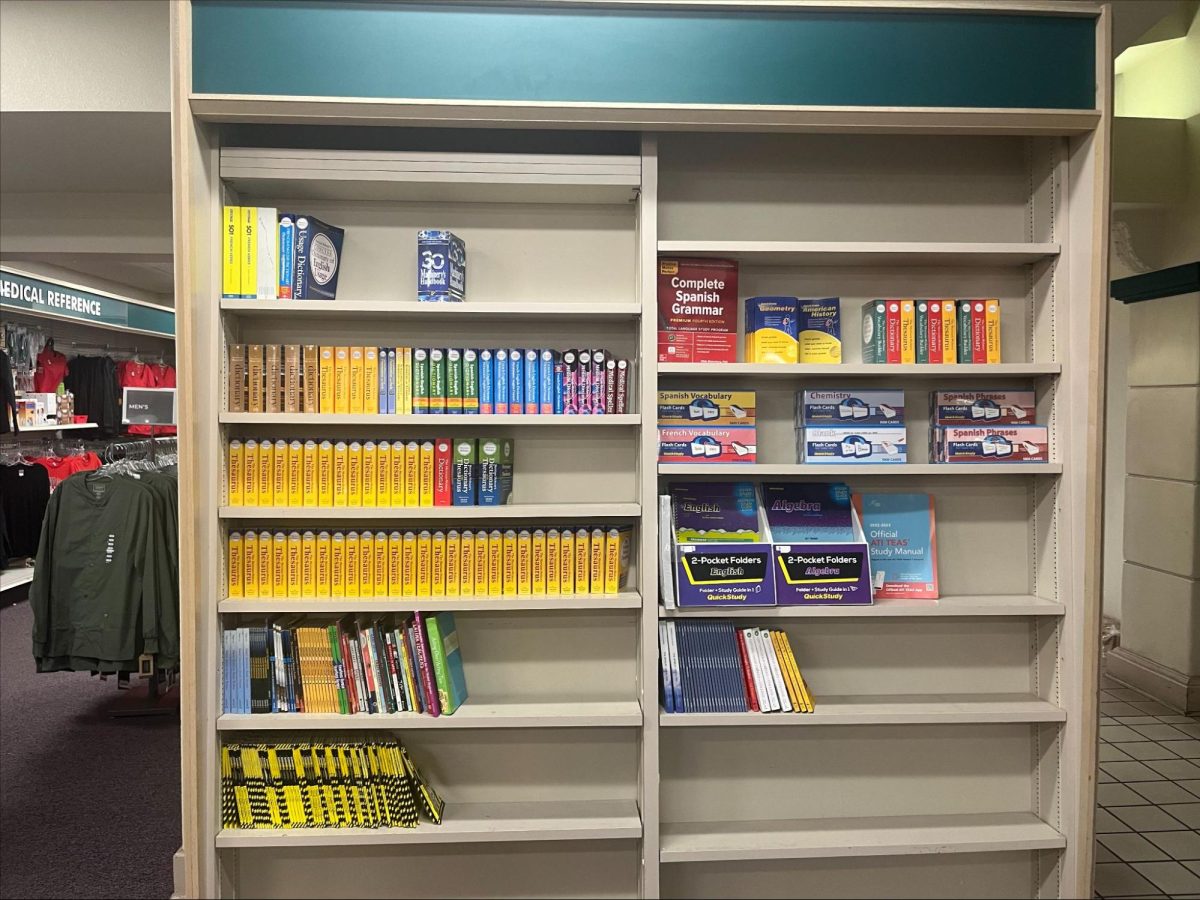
(420, 380)
(339, 669)
(447, 661)
(964, 332)
(922, 331)
(874, 341)
(437, 380)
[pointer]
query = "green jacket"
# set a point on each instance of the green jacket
(103, 591)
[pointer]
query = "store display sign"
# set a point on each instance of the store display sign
(34, 295)
(148, 406)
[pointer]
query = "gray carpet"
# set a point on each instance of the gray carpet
(89, 804)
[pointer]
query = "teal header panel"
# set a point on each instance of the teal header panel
(48, 298)
(518, 53)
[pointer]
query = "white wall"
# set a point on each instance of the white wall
(99, 55)
(1156, 194)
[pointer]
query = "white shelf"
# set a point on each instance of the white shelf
(341, 606)
(932, 709)
(38, 429)
(684, 842)
(437, 421)
(864, 253)
(15, 577)
(762, 470)
(945, 607)
(580, 511)
(398, 309)
(570, 714)
(719, 371)
(467, 823)
(304, 174)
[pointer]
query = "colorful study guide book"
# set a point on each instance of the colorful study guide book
(901, 534)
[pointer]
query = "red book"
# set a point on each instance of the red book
(425, 665)
(978, 331)
(892, 331)
(697, 310)
(935, 325)
(747, 677)
(442, 466)
(364, 649)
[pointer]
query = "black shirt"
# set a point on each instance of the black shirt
(24, 493)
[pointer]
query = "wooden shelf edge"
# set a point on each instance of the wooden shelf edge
(428, 421)
(901, 710)
(564, 602)
(946, 607)
(840, 838)
(760, 470)
(577, 714)
(468, 823)
(580, 511)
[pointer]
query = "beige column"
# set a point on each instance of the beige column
(1160, 619)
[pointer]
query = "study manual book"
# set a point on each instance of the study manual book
(900, 531)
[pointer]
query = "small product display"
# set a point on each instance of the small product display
(706, 426)
(786, 543)
(697, 310)
(715, 511)
(524, 561)
(413, 664)
(326, 474)
(357, 784)
(267, 255)
(936, 331)
(800, 513)
(986, 426)
(306, 378)
(441, 266)
(844, 444)
(850, 426)
(993, 443)
(850, 407)
(901, 533)
(713, 444)
(982, 408)
(710, 666)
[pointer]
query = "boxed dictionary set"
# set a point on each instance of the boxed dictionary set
(931, 331)
(785, 544)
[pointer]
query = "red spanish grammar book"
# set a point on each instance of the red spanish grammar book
(697, 310)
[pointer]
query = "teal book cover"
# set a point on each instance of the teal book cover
(455, 677)
(901, 534)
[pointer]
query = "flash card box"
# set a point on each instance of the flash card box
(716, 444)
(1012, 443)
(982, 408)
(882, 407)
(706, 408)
(880, 444)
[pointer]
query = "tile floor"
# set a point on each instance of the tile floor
(1148, 821)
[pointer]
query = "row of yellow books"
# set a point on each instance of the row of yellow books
(512, 563)
(335, 474)
(359, 784)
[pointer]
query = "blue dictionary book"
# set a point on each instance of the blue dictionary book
(715, 511)
(317, 259)
(901, 533)
(800, 512)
